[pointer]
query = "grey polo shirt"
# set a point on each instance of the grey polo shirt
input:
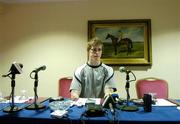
(92, 80)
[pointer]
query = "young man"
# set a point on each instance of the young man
(93, 79)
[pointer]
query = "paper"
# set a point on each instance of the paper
(16, 100)
(80, 101)
(59, 113)
(83, 101)
(163, 102)
(97, 101)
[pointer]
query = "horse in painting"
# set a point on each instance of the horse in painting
(120, 42)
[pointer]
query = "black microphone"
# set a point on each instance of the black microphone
(39, 69)
(6, 75)
(16, 68)
(111, 108)
(123, 69)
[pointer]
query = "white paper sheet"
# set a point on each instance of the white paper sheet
(83, 101)
(164, 102)
(16, 100)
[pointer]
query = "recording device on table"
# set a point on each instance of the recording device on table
(147, 99)
(16, 68)
(94, 110)
(109, 103)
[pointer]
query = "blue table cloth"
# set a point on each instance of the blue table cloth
(170, 115)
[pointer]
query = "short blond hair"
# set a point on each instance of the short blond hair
(94, 42)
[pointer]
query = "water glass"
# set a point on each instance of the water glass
(23, 95)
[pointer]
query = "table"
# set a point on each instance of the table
(159, 115)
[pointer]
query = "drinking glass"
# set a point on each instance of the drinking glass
(23, 95)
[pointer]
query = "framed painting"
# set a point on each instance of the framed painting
(126, 42)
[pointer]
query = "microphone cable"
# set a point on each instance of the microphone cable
(113, 113)
(30, 75)
(133, 76)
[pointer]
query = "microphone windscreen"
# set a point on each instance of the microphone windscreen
(16, 68)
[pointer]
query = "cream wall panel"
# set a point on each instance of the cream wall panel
(1, 8)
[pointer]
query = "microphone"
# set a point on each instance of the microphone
(39, 69)
(6, 75)
(111, 108)
(123, 69)
(16, 68)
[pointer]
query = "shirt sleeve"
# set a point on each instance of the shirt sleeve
(110, 82)
(76, 82)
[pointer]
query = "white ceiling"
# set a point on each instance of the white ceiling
(32, 1)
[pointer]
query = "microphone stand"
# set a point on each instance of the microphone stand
(35, 105)
(127, 107)
(12, 107)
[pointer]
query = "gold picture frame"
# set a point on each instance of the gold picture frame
(126, 42)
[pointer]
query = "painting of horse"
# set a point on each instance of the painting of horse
(116, 42)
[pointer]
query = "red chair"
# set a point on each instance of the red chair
(64, 85)
(152, 85)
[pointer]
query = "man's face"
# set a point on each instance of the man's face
(95, 53)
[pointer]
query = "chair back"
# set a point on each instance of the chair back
(152, 85)
(64, 85)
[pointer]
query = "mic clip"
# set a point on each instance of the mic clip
(128, 71)
(123, 69)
